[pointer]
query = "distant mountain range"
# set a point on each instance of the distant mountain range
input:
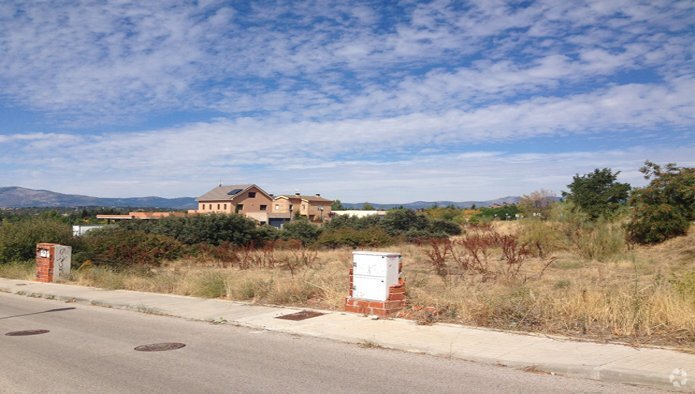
(428, 204)
(19, 197)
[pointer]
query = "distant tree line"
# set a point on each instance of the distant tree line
(661, 210)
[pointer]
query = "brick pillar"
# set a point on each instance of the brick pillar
(45, 253)
(395, 302)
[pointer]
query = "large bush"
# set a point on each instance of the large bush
(302, 230)
(444, 227)
(347, 236)
(664, 208)
(18, 239)
(400, 221)
(349, 221)
(505, 212)
(118, 247)
(211, 229)
(397, 224)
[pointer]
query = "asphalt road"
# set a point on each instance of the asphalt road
(91, 349)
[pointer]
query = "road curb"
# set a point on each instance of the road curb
(598, 373)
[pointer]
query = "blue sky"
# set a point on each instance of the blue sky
(380, 101)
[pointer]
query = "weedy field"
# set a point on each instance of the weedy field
(529, 276)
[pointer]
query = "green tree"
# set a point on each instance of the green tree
(664, 208)
(337, 206)
(598, 193)
(368, 207)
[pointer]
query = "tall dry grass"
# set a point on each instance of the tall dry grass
(643, 295)
(322, 283)
(24, 270)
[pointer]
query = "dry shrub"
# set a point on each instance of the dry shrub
(600, 240)
(542, 237)
(209, 284)
(439, 254)
(652, 314)
(163, 281)
(286, 254)
(645, 299)
(25, 270)
(99, 276)
(249, 289)
(473, 254)
(292, 292)
(625, 311)
(685, 285)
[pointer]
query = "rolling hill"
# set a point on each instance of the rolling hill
(19, 197)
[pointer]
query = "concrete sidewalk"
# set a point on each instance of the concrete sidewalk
(661, 368)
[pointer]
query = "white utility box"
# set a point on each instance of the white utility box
(373, 273)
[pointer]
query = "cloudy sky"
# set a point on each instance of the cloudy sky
(382, 101)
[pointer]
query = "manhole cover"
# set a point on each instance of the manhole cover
(160, 347)
(26, 332)
(302, 315)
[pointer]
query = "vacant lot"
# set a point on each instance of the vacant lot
(635, 294)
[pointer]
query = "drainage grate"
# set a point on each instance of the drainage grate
(160, 347)
(21, 284)
(302, 315)
(26, 332)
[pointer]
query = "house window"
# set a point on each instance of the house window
(264, 207)
(225, 207)
(218, 207)
(252, 194)
(239, 207)
(210, 207)
(277, 207)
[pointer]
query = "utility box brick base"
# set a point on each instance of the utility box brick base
(376, 286)
(395, 302)
(52, 262)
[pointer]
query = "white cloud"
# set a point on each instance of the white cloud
(447, 176)
(332, 96)
(254, 150)
(112, 60)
